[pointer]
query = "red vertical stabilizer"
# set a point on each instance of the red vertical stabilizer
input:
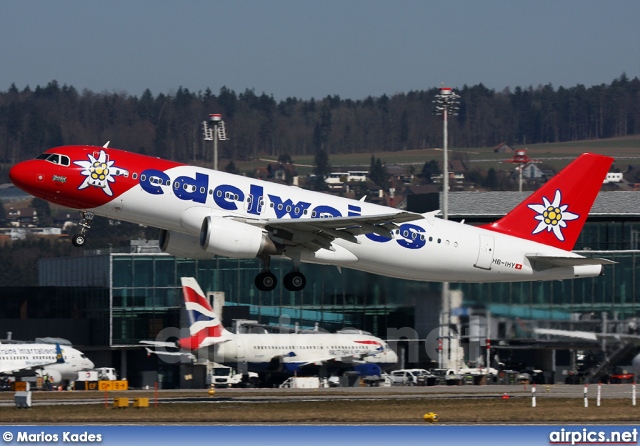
(555, 214)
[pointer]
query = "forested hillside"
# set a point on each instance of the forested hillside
(169, 125)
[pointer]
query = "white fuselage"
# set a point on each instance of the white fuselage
(429, 249)
(293, 350)
(41, 358)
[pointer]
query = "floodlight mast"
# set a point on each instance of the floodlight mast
(446, 105)
(214, 134)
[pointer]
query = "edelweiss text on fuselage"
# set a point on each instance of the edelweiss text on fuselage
(227, 197)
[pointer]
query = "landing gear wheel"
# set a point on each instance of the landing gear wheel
(266, 281)
(78, 240)
(295, 281)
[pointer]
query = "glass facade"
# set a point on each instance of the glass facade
(145, 296)
(614, 292)
(80, 315)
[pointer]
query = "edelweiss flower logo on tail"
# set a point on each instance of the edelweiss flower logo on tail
(553, 216)
(100, 172)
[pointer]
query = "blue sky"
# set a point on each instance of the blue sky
(305, 49)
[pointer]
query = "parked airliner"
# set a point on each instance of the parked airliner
(204, 213)
(59, 363)
(599, 338)
(273, 352)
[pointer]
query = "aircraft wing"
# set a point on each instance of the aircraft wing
(590, 335)
(556, 261)
(6, 369)
(317, 233)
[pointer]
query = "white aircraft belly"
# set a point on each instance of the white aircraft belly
(456, 253)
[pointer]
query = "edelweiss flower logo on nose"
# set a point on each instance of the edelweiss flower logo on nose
(100, 172)
(553, 215)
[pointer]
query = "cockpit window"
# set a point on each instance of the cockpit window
(62, 160)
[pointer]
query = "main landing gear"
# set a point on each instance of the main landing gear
(79, 239)
(294, 280)
(267, 281)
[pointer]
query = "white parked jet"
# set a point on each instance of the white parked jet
(274, 352)
(204, 213)
(59, 363)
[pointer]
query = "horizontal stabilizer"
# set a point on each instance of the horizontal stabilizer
(587, 335)
(206, 342)
(160, 353)
(555, 261)
(159, 344)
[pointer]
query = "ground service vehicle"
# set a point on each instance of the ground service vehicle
(223, 376)
(300, 382)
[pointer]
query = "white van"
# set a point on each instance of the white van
(409, 377)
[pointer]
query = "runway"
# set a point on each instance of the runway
(253, 396)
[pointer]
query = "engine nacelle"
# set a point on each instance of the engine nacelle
(230, 238)
(182, 245)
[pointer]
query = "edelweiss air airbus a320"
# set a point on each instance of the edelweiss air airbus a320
(203, 213)
(274, 352)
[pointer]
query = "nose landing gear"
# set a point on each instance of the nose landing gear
(79, 240)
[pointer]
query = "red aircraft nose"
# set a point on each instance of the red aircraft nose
(26, 177)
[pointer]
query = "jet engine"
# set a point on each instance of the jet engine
(182, 245)
(230, 238)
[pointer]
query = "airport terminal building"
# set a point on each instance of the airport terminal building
(107, 302)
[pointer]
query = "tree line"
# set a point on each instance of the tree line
(170, 125)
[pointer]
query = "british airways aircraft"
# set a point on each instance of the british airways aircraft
(274, 352)
(203, 213)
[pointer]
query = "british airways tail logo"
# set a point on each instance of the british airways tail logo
(553, 216)
(99, 172)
